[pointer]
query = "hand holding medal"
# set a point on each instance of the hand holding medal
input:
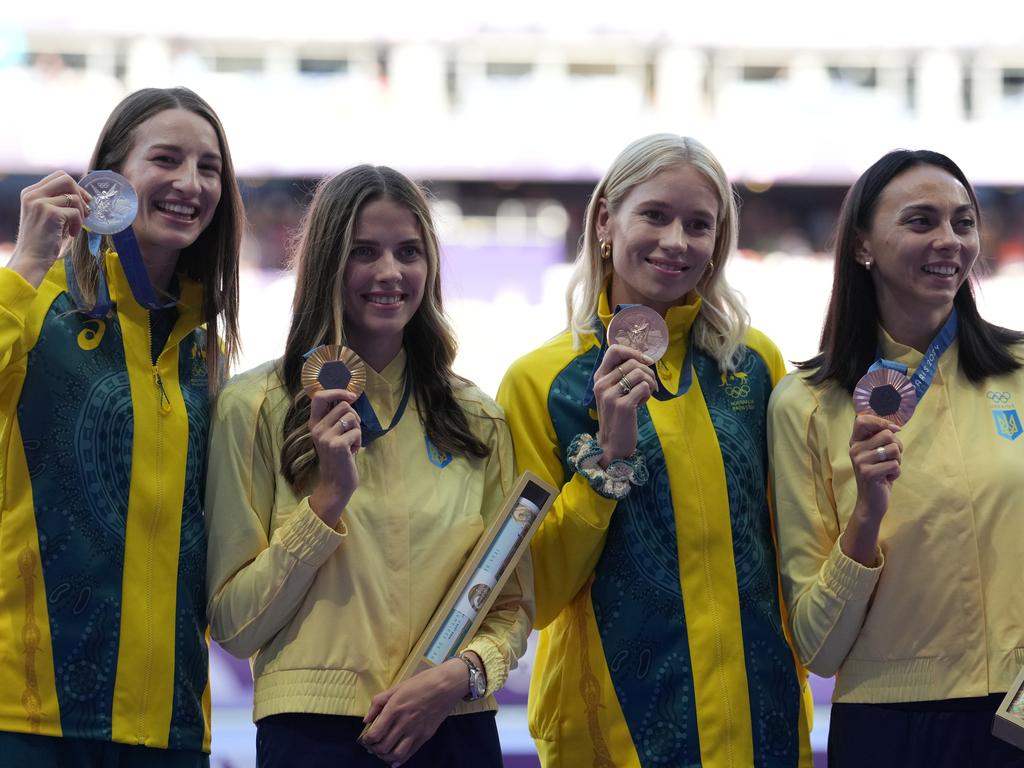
(112, 210)
(624, 380)
(334, 377)
(51, 210)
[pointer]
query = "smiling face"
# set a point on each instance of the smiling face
(384, 280)
(175, 166)
(922, 243)
(662, 236)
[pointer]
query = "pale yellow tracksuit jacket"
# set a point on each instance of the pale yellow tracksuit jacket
(941, 616)
(328, 616)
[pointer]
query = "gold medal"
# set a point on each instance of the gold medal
(333, 366)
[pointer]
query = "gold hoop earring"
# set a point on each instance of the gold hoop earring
(606, 249)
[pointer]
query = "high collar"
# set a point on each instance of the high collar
(190, 303)
(679, 320)
(891, 349)
(384, 387)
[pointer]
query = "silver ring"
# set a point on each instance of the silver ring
(882, 454)
(69, 201)
(624, 385)
(344, 423)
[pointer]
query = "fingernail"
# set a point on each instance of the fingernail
(648, 359)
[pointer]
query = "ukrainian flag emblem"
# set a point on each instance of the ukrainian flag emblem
(1007, 424)
(437, 457)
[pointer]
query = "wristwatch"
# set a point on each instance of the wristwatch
(477, 680)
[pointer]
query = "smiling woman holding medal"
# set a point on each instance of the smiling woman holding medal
(897, 472)
(349, 481)
(662, 642)
(108, 358)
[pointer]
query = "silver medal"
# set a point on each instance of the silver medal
(114, 203)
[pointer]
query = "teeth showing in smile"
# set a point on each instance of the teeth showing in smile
(181, 210)
(384, 299)
(943, 270)
(666, 266)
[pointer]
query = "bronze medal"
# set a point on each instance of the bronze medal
(640, 328)
(333, 366)
(887, 393)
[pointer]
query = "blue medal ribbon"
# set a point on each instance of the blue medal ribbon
(370, 425)
(663, 392)
(925, 372)
(128, 252)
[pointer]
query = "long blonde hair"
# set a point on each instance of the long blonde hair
(723, 320)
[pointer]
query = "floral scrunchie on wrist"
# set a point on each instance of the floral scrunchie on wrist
(613, 482)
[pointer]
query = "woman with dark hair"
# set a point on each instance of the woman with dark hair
(896, 468)
(662, 639)
(337, 524)
(103, 651)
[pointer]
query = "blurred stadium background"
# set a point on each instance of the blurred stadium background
(510, 113)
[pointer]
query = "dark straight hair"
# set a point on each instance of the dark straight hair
(213, 258)
(849, 339)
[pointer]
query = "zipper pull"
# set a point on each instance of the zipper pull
(165, 401)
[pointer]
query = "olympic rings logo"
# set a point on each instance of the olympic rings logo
(999, 397)
(741, 391)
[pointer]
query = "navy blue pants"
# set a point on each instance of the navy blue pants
(27, 750)
(956, 733)
(329, 741)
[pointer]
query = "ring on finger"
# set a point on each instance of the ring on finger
(69, 201)
(344, 423)
(624, 385)
(883, 455)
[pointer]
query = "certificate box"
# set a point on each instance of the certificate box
(1009, 721)
(482, 577)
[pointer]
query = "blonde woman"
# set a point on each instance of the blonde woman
(657, 596)
(337, 525)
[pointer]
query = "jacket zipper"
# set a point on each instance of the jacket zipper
(163, 408)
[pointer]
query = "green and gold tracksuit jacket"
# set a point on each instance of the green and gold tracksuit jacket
(102, 545)
(662, 640)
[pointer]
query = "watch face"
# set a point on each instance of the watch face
(477, 684)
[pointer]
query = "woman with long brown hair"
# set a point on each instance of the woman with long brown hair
(338, 522)
(105, 401)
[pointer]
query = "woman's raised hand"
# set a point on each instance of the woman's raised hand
(51, 210)
(335, 430)
(622, 383)
(877, 455)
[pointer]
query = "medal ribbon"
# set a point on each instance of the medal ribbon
(127, 248)
(663, 392)
(922, 378)
(370, 426)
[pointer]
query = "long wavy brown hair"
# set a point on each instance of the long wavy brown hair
(212, 259)
(319, 257)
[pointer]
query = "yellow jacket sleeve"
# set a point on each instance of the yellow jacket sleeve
(255, 582)
(16, 297)
(569, 542)
(826, 592)
(501, 639)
